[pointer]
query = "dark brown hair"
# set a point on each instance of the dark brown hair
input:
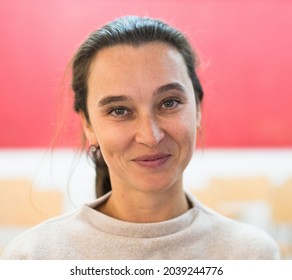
(134, 31)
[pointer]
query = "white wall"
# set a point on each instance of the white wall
(73, 172)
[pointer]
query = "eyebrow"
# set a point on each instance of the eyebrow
(118, 98)
(111, 99)
(168, 87)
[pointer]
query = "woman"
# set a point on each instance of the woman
(139, 97)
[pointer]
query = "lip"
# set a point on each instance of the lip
(154, 160)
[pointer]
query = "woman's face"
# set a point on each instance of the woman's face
(142, 112)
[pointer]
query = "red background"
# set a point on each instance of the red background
(245, 48)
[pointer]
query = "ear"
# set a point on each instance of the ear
(88, 130)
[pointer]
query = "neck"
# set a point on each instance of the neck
(143, 207)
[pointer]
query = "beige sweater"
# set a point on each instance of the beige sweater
(199, 233)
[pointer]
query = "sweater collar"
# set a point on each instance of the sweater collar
(117, 227)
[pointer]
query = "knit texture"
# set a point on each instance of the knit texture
(199, 234)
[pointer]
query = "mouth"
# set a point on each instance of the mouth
(155, 160)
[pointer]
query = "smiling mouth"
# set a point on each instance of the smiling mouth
(156, 160)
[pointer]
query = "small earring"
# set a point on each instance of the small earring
(92, 148)
(92, 151)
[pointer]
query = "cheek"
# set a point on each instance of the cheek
(187, 139)
(187, 125)
(187, 135)
(113, 141)
(183, 132)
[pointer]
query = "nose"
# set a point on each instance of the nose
(149, 132)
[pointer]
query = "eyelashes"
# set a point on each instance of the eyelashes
(170, 103)
(167, 105)
(118, 111)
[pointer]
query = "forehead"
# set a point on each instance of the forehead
(122, 52)
(125, 65)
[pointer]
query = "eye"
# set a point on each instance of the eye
(118, 112)
(170, 103)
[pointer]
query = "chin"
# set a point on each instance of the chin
(158, 186)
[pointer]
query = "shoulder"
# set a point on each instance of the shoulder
(57, 238)
(38, 241)
(251, 242)
(237, 239)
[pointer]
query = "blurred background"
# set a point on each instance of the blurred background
(242, 165)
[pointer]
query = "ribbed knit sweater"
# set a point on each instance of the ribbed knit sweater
(199, 233)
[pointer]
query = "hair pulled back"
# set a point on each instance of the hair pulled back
(128, 30)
